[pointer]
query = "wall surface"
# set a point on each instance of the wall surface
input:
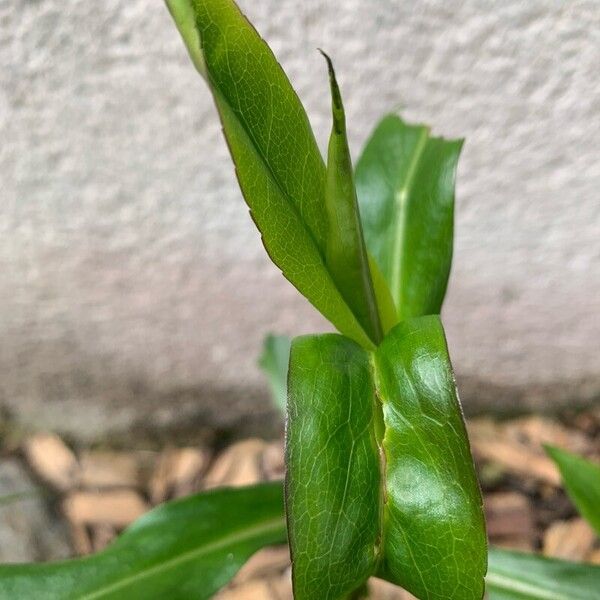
(134, 290)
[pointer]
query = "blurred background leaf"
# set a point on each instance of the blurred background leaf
(520, 576)
(184, 549)
(274, 361)
(581, 479)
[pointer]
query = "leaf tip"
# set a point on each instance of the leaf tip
(336, 96)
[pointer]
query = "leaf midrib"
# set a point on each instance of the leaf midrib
(379, 430)
(401, 196)
(214, 87)
(269, 526)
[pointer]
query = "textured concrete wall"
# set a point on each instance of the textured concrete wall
(133, 286)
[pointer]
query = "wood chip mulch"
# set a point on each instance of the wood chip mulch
(100, 492)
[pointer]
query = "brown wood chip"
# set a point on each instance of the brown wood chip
(536, 431)
(52, 461)
(593, 557)
(239, 465)
(118, 508)
(281, 587)
(177, 473)
(273, 463)
(253, 590)
(517, 445)
(80, 539)
(102, 535)
(571, 540)
(491, 443)
(509, 520)
(382, 590)
(100, 469)
(266, 562)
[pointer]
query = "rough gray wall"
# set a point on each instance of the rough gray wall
(133, 286)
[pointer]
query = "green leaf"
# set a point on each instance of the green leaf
(274, 362)
(346, 255)
(333, 477)
(184, 17)
(278, 164)
(380, 478)
(185, 549)
(434, 537)
(385, 302)
(581, 479)
(405, 186)
(519, 576)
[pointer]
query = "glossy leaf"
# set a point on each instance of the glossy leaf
(434, 534)
(405, 185)
(391, 417)
(185, 549)
(333, 477)
(519, 576)
(345, 253)
(278, 164)
(385, 303)
(274, 362)
(581, 479)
